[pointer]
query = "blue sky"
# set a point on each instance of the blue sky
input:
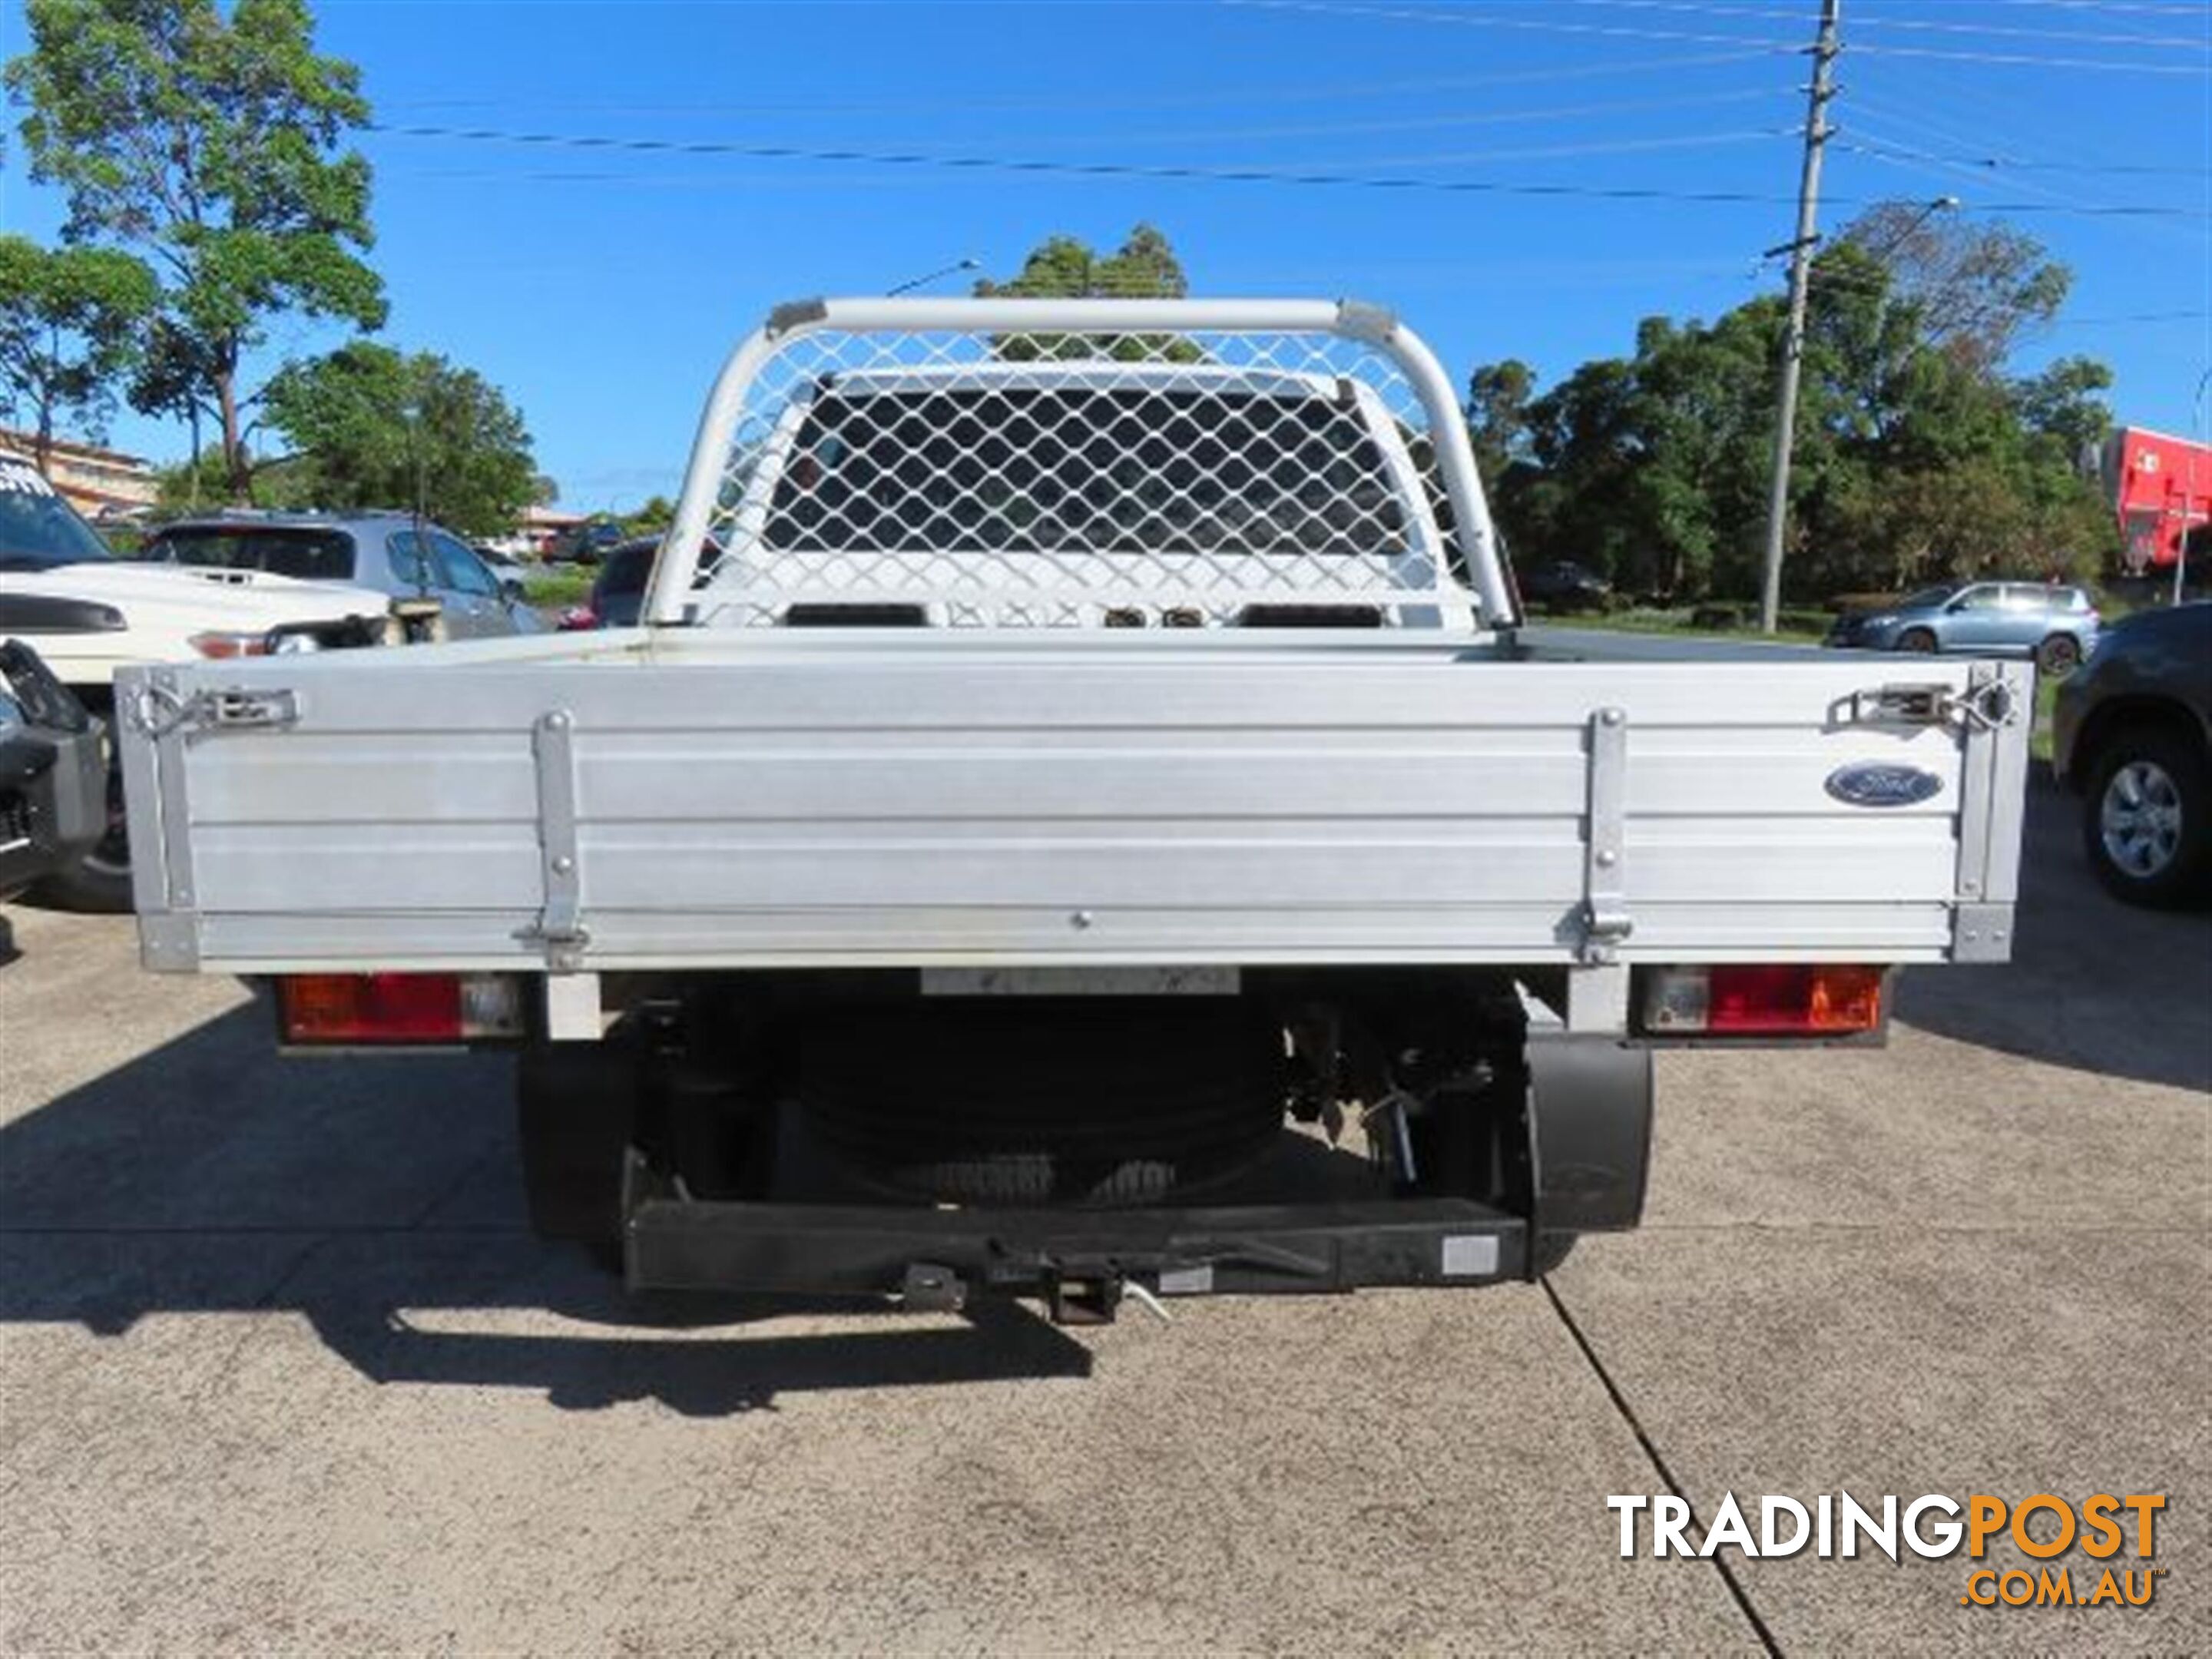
(601, 286)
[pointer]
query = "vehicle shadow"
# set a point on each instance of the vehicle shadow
(378, 1198)
(2092, 984)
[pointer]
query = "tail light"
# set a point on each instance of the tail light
(1763, 1000)
(230, 645)
(398, 1008)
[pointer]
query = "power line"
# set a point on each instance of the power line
(1425, 123)
(1845, 282)
(1491, 19)
(1975, 120)
(2072, 37)
(1947, 170)
(2132, 317)
(1558, 152)
(1890, 153)
(1193, 172)
(1087, 169)
(1883, 148)
(2023, 59)
(1213, 98)
(1418, 124)
(2143, 7)
(1884, 285)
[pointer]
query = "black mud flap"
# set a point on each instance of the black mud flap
(1590, 1129)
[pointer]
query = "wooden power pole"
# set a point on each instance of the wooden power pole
(1793, 339)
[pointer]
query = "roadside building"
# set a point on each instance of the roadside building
(2160, 487)
(542, 526)
(101, 483)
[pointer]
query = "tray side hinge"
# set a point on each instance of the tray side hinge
(1604, 917)
(560, 926)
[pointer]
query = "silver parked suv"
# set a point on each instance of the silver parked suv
(405, 556)
(2054, 623)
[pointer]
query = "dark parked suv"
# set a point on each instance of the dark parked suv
(1563, 585)
(618, 591)
(53, 774)
(2132, 734)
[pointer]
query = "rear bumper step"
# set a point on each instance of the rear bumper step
(941, 1255)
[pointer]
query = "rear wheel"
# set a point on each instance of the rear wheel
(2059, 655)
(1919, 639)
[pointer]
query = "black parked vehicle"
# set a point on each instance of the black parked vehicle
(1563, 585)
(2132, 734)
(618, 591)
(53, 772)
(588, 543)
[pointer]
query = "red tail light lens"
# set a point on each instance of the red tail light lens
(371, 1007)
(1795, 998)
(398, 1008)
(1763, 1000)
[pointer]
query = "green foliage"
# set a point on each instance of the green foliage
(1497, 397)
(650, 520)
(214, 146)
(1649, 468)
(1915, 457)
(287, 483)
(1064, 268)
(552, 589)
(70, 321)
(1144, 267)
(374, 428)
(189, 485)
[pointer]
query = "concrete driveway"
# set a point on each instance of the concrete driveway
(280, 1369)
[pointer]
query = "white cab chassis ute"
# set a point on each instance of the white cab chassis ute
(1081, 816)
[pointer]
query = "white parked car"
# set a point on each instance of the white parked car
(88, 613)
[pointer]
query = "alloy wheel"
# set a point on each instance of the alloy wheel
(2140, 819)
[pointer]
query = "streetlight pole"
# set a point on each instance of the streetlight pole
(970, 263)
(1793, 338)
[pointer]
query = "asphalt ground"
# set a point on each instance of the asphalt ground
(280, 1370)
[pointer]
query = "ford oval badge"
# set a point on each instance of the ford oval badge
(1876, 783)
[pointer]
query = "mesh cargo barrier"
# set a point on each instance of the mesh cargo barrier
(1057, 475)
